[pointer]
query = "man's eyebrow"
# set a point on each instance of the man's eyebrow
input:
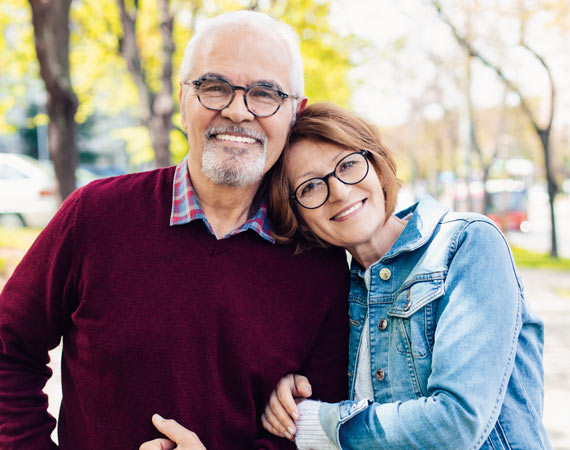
(271, 83)
(215, 75)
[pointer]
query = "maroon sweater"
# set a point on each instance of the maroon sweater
(162, 319)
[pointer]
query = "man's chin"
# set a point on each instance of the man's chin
(232, 176)
(230, 169)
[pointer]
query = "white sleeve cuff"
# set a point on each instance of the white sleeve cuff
(310, 434)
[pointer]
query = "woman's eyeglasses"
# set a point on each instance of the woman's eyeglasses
(314, 192)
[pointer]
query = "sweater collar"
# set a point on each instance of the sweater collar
(186, 207)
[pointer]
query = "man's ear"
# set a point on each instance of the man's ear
(181, 103)
(302, 104)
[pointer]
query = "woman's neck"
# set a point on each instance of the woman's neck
(371, 251)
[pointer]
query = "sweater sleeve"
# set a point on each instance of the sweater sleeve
(327, 365)
(34, 309)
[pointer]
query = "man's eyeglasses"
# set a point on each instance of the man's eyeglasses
(351, 169)
(261, 99)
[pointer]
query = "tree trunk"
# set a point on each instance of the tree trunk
(50, 20)
(552, 189)
(156, 108)
(163, 107)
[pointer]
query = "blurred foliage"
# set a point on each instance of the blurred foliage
(100, 77)
(528, 258)
(429, 143)
(19, 62)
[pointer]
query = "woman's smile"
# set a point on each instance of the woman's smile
(349, 212)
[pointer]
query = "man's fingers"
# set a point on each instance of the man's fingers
(158, 444)
(176, 432)
(303, 386)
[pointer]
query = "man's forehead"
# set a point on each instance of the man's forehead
(244, 57)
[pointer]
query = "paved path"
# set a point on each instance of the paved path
(549, 294)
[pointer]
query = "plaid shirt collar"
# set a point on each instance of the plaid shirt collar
(186, 208)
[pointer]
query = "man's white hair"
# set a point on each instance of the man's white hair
(246, 18)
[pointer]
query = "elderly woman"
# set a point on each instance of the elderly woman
(445, 351)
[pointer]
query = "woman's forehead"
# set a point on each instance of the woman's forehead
(309, 157)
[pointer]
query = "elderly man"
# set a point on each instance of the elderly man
(167, 286)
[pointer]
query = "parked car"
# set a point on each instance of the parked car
(508, 204)
(28, 190)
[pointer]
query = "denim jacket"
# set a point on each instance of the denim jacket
(455, 351)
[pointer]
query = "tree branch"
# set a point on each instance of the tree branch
(166, 26)
(129, 49)
(550, 79)
(474, 53)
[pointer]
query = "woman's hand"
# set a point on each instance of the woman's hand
(282, 409)
(179, 437)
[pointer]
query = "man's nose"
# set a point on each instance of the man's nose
(237, 111)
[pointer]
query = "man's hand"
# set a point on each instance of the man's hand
(179, 437)
(282, 408)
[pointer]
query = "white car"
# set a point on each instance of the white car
(28, 190)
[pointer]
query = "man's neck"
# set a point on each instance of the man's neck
(225, 207)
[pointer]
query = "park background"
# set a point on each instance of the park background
(472, 96)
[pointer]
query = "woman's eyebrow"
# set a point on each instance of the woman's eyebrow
(312, 173)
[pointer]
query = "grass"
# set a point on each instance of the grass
(14, 239)
(17, 238)
(527, 258)
(562, 292)
(22, 238)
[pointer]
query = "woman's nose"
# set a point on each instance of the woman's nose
(338, 191)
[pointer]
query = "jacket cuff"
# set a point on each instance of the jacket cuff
(329, 415)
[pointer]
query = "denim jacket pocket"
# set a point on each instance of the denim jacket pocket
(414, 312)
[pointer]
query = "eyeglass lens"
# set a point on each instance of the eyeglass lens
(349, 170)
(260, 100)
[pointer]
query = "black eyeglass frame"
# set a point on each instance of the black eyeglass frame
(245, 89)
(364, 153)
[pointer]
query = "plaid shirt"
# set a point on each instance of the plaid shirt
(186, 208)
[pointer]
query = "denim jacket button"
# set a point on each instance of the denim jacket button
(385, 273)
(409, 301)
(380, 374)
(383, 324)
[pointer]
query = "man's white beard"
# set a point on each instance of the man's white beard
(229, 166)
